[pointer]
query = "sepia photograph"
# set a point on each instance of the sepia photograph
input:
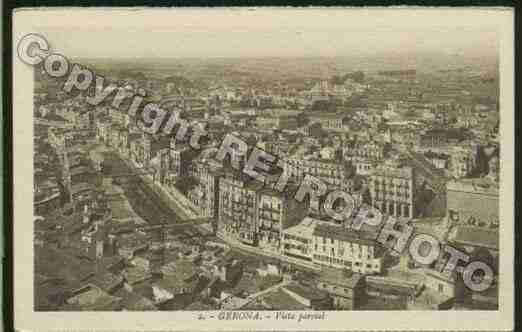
(251, 169)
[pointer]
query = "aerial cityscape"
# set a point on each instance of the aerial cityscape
(129, 219)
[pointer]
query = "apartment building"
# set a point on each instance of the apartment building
(253, 214)
(346, 288)
(364, 155)
(392, 189)
(329, 122)
(297, 241)
(463, 160)
(473, 202)
(277, 119)
(342, 248)
(276, 212)
(237, 217)
(331, 171)
(205, 195)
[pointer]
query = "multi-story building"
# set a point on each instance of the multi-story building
(140, 149)
(364, 156)
(329, 122)
(253, 214)
(114, 139)
(473, 202)
(494, 169)
(57, 138)
(277, 119)
(103, 130)
(332, 171)
(439, 160)
(136, 149)
(205, 195)
(297, 241)
(146, 142)
(160, 159)
(276, 212)
(119, 117)
(346, 288)
(367, 149)
(342, 248)
(237, 217)
(319, 90)
(463, 160)
(392, 189)
(180, 160)
(123, 143)
(441, 138)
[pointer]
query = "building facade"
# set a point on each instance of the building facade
(339, 247)
(237, 217)
(473, 202)
(392, 189)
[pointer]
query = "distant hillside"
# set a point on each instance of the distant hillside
(356, 76)
(132, 74)
(179, 81)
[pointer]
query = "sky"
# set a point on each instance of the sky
(179, 33)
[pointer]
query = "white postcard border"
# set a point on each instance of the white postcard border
(27, 21)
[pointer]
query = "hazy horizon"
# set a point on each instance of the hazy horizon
(258, 33)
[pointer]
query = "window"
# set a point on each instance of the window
(441, 288)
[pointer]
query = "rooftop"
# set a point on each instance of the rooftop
(480, 237)
(93, 298)
(136, 274)
(177, 283)
(280, 300)
(304, 229)
(132, 301)
(279, 113)
(106, 280)
(344, 278)
(475, 185)
(343, 234)
(310, 293)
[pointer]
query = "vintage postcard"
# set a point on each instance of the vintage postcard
(282, 169)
